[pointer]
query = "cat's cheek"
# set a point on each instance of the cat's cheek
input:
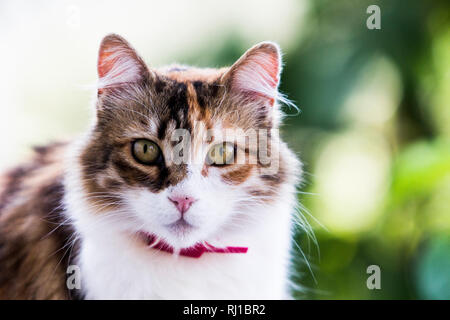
(143, 204)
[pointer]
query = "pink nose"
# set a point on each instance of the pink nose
(183, 203)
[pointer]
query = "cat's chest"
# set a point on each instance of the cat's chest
(125, 273)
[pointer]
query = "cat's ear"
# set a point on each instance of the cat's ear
(118, 63)
(256, 75)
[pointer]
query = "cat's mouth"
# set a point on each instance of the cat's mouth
(181, 226)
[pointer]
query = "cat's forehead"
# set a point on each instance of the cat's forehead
(183, 73)
(182, 96)
(179, 97)
(183, 86)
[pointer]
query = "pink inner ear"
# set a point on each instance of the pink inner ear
(105, 63)
(258, 76)
(117, 65)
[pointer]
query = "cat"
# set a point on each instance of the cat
(119, 209)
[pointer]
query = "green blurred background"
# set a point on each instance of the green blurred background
(373, 131)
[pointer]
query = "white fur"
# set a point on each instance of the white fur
(116, 264)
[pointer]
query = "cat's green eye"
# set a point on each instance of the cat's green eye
(220, 154)
(146, 151)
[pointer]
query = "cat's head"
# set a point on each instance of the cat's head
(182, 153)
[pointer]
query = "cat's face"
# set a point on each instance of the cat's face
(174, 152)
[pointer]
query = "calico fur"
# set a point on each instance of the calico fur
(35, 241)
(86, 202)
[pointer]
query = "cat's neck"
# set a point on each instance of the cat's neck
(114, 266)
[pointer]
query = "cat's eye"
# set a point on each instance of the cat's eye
(220, 154)
(146, 151)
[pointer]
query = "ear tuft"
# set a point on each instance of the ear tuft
(256, 75)
(118, 63)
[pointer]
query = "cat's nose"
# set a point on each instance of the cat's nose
(183, 203)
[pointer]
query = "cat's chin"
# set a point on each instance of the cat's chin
(181, 227)
(153, 241)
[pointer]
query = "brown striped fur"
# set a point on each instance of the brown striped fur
(34, 242)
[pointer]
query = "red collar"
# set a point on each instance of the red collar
(195, 251)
